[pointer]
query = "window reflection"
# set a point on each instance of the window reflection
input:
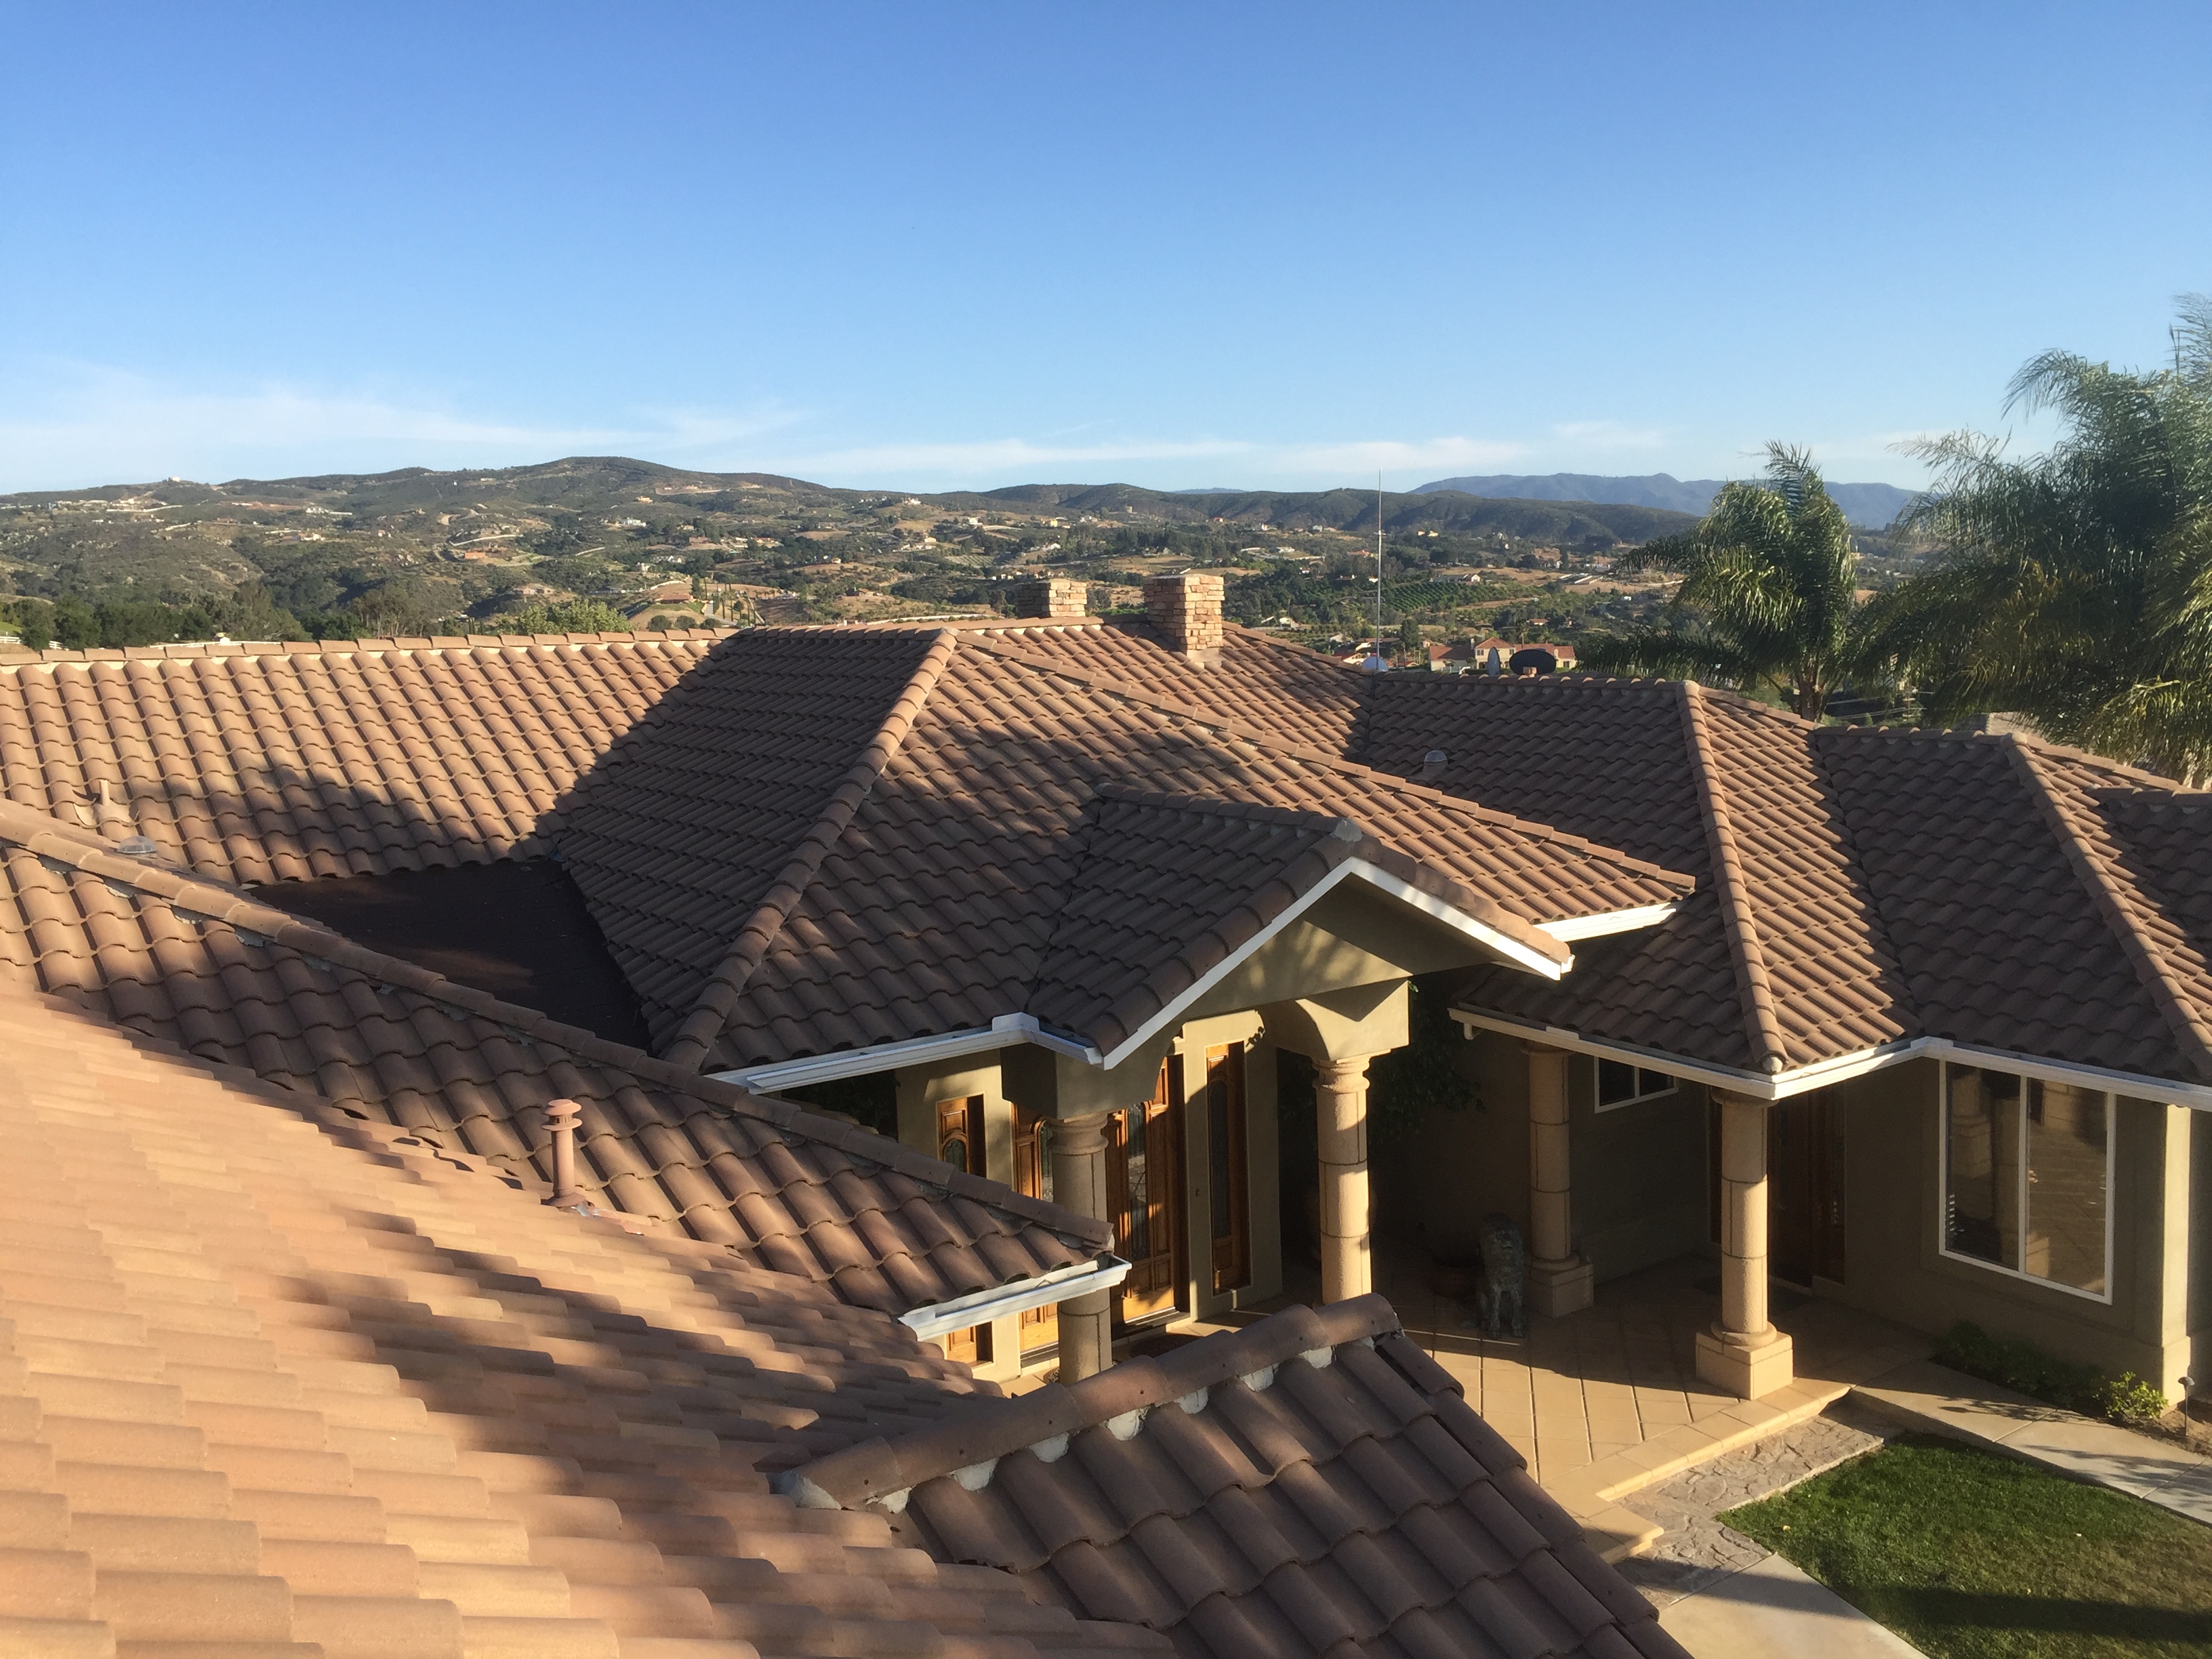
(2027, 1175)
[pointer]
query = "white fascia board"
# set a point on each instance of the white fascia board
(1608, 922)
(1005, 1301)
(1516, 954)
(1844, 1067)
(1002, 1032)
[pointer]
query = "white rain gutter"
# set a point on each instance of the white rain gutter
(1008, 1029)
(1005, 1301)
(1608, 922)
(1782, 1085)
(1005, 1030)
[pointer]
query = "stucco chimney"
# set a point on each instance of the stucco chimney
(1060, 596)
(1185, 612)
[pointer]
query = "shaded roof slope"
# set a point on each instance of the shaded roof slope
(273, 762)
(272, 1376)
(233, 982)
(931, 906)
(1167, 888)
(2010, 901)
(682, 830)
(1779, 962)
(1313, 1484)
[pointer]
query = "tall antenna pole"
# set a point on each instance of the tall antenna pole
(1378, 561)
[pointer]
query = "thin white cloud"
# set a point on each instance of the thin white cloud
(82, 425)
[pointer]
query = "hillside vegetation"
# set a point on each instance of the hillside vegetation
(598, 542)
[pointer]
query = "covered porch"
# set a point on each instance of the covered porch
(1608, 1399)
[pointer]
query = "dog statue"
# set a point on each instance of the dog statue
(1497, 1305)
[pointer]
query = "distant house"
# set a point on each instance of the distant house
(1476, 656)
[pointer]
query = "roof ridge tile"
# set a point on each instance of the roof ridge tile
(998, 1428)
(1730, 882)
(695, 1038)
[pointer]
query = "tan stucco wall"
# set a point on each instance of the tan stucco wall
(1637, 1173)
(1894, 1266)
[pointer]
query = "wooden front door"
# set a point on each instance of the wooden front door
(1805, 1189)
(1144, 1190)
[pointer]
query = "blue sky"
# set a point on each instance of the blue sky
(1181, 244)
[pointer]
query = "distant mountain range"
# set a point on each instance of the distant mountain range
(1870, 505)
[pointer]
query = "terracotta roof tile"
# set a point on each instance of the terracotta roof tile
(238, 983)
(1287, 1488)
(934, 905)
(273, 1375)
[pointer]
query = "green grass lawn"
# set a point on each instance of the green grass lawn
(1969, 1555)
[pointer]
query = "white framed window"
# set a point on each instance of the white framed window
(1619, 1084)
(2025, 1178)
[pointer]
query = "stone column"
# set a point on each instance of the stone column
(1743, 1352)
(1347, 1257)
(1079, 1181)
(1559, 1281)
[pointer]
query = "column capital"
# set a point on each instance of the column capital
(1730, 1097)
(1078, 1137)
(1533, 1046)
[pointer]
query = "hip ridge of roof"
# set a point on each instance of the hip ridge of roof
(695, 1038)
(1732, 884)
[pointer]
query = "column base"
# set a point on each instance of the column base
(1553, 1288)
(1746, 1371)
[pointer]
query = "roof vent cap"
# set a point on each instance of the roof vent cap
(138, 847)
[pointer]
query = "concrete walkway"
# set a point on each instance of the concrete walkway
(1944, 1401)
(1771, 1609)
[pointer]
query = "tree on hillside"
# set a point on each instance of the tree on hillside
(1767, 592)
(2076, 586)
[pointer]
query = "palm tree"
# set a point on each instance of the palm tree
(2076, 586)
(1767, 597)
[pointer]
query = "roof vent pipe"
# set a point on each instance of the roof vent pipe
(1185, 611)
(560, 1120)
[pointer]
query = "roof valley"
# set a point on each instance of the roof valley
(695, 1039)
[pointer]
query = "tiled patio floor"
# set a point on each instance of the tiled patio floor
(1606, 1401)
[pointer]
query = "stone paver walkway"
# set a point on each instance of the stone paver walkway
(1698, 1551)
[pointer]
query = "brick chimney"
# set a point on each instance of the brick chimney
(1186, 612)
(1060, 596)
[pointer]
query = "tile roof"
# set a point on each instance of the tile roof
(1313, 1484)
(1284, 690)
(927, 906)
(276, 1382)
(227, 978)
(2002, 875)
(694, 830)
(1859, 886)
(808, 840)
(259, 763)
(1167, 888)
